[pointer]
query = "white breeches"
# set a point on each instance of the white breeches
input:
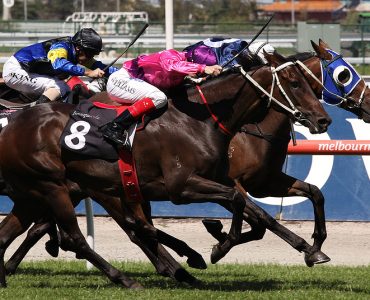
(30, 84)
(123, 88)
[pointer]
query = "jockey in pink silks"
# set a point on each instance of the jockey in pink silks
(139, 83)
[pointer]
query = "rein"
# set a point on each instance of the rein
(214, 117)
(275, 80)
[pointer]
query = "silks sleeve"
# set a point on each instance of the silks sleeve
(172, 60)
(58, 56)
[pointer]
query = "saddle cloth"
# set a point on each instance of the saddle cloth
(82, 133)
(6, 115)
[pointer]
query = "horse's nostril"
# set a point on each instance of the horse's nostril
(324, 121)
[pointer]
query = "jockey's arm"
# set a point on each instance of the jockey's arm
(176, 62)
(94, 64)
(58, 56)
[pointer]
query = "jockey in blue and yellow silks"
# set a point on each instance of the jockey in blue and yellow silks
(39, 69)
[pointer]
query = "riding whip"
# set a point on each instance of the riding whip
(128, 47)
(252, 40)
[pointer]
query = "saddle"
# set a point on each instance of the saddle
(82, 135)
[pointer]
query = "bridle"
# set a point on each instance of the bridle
(344, 98)
(296, 113)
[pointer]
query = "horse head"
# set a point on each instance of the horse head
(298, 99)
(343, 86)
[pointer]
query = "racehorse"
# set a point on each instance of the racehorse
(258, 152)
(191, 169)
(266, 151)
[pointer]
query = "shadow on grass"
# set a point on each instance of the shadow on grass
(213, 282)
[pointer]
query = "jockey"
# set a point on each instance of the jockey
(139, 82)
(39, 69)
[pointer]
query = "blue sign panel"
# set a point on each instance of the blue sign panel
(343, 179)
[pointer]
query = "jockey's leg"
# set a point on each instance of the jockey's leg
(125, 89)
(116, 131)
(49, 95)
(32, 84)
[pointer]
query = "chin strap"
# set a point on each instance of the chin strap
(294, 139)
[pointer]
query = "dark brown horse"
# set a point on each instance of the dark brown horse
(180, 156)
(266, 144)
(258, 152)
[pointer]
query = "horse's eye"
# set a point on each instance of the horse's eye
(294, 84)
(342, 76)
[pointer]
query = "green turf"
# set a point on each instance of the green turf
(71, 280)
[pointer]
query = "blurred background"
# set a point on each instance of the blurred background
(344, 25)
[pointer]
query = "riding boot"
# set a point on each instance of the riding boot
(116, 131)
(43, 99)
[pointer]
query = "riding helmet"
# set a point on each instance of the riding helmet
(89, 39)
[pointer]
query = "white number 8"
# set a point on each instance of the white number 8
(3, 122)
(77, 134)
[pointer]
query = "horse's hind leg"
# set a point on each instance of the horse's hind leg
(144, 228)
(14, 224)
(34, 234)
(65, 217)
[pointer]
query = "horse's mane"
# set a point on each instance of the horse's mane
(300, 56)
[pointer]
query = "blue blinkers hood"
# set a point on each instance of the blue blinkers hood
(330, 71)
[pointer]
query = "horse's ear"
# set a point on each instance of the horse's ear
(323, 44)
(321, 51)
(274, 59)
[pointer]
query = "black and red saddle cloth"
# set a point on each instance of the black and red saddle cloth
(6, 115)
(82, 133)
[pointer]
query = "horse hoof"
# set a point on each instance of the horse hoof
(218, 252)
(214, 227)
(181, 275)
(315, 258)
(10, 269)
(52, 247)
(196, 262)
(136, 286)
(197, 283)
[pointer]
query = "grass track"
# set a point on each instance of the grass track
(70, 280)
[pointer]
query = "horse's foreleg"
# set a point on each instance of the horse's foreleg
(164, 263)
(145, 229)
(195, 260)
(312, 255)
(312, 192)
(259, 220)
(200, 190)
(284, 185)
